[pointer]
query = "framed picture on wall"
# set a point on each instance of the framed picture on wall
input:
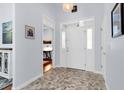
(117, 20)
(7, 32)
(29, 32)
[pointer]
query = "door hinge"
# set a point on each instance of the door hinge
(101, 48)
(101, 29)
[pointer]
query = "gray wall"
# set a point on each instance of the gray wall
(115, 54)
(28, 52)
(85, 11)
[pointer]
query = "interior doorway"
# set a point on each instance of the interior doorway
(48, 44)
(77, 45)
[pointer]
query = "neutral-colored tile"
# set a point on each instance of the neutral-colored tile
(68, 79)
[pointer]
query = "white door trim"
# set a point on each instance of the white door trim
(61, 29)
(50, 23)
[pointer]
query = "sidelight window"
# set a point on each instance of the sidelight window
(89, 38)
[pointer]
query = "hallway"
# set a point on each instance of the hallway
(61, 78)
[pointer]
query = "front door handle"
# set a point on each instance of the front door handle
(104, 53)
(67, 49)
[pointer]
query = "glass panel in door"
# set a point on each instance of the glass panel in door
(6, 63)
(0, 61)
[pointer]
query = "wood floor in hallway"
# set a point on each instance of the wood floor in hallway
(61, 78)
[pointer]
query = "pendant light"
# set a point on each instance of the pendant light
(67, 7)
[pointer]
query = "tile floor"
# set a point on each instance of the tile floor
(61, 78)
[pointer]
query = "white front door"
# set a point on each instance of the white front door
(78, 46)
(75, 50)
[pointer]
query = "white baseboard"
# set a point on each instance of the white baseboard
(106, 82)
(26, 83)
(104, 76)
(95, 71)
(58, 66)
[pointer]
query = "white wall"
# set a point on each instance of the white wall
(115, 54)
(28, 51)
(6, 12)
(86, 11)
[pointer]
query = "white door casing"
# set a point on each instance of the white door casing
(103, 49)
(48, 22)
(90, 45)
(77, 56)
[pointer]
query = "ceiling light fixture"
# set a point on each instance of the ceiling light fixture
(67, 7)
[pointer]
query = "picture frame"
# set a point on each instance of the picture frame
(7, 32)
(29, 32)
(74, 9)
(117, 20)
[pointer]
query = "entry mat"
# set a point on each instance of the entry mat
(4, 82)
